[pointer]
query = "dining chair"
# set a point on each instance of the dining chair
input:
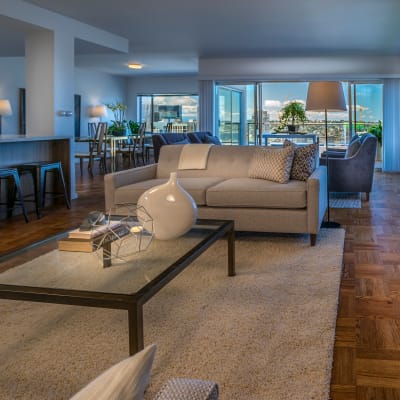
(140, 146)
(92, 129)
(97, 150)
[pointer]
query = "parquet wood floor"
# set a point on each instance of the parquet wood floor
(367, 347)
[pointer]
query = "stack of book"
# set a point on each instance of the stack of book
(80, 240)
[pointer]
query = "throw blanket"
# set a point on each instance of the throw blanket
(194, 156)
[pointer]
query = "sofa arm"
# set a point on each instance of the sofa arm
(123, 178)
(317, 199)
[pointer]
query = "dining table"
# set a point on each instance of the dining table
(113, 141)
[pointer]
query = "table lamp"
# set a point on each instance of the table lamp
(5, 110)
(326, 96)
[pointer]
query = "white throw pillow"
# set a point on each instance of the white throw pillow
(126, 380)
(272, 164)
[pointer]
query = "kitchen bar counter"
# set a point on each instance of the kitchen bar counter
(17, 149)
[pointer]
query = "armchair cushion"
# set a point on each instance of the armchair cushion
(352, 149)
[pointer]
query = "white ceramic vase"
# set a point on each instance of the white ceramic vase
(172, 209)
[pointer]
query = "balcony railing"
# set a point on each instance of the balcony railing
(338, 132)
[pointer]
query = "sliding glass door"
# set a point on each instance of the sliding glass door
(246, 111)
(176, 113)
(229, 106)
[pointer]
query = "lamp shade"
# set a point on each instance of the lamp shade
(5, 108)
(97, 111)
(327, 96)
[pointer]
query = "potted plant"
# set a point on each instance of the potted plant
(292, 114)
(376, 130)
(133, 127)
(118, 124)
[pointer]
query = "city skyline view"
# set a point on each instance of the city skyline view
(368, 98)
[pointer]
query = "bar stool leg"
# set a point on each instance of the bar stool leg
(60, 172)
(20, 196)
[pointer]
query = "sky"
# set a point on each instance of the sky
(276, 95)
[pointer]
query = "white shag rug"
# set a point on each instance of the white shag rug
(267, 333)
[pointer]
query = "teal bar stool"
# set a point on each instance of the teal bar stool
(38, 170)
(14, 191)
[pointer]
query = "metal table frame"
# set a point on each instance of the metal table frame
(133, 303)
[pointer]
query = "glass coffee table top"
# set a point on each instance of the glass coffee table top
(84, 271)
(77, 278)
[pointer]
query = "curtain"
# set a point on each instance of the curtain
(391, 125)
(206, 106)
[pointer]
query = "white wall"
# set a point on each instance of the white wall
(186, 84)
(94, 88)
(12, 77)
(98, 88)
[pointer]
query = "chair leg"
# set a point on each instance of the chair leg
(36, 193)
(64, 186)
(90, 166)
(367, 196)
(81, 165)
(20, 197)
(43, 176)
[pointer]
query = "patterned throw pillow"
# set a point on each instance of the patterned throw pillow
(272, 164)
(304, 160)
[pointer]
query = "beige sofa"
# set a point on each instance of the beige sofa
(224, 191)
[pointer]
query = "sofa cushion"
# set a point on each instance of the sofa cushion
(193, 137)
(184, 141)
(272, 164)
(304, 161)
(131, 193)
(196, 187)
(211, 140)
(260, 193)
(172, 138)
(203, 137)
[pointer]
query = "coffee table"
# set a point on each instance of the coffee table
(76, 278)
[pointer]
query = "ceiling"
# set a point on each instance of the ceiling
(168, 37)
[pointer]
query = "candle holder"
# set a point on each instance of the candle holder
(125, 235)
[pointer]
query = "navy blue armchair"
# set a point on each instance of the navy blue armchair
(355, 171)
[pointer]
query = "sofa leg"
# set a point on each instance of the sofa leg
(313, 239)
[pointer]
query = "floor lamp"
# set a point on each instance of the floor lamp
(326, 96)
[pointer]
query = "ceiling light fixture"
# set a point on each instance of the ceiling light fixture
(135, 66)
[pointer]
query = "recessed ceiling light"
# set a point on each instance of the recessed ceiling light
(135, 66)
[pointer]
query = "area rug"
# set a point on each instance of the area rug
(344, 200)
(267, 333)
